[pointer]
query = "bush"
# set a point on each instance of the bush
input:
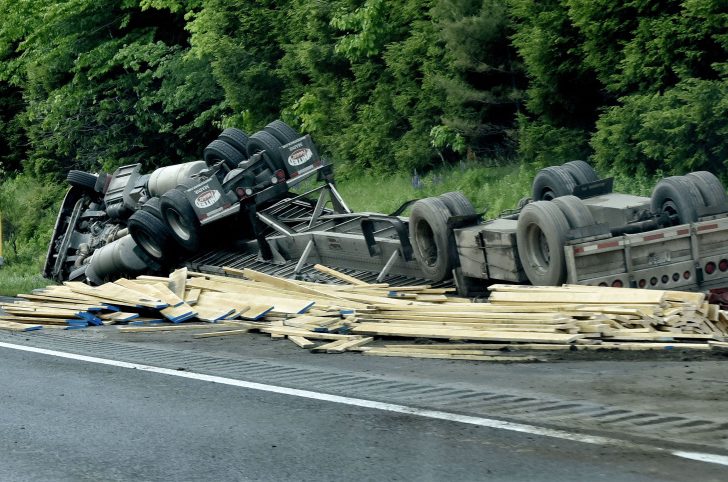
(681, 130)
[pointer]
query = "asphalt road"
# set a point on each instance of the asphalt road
(71, 420)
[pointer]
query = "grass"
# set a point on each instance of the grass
(490, 189)
(18, 278)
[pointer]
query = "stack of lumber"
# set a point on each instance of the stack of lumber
(351, 315)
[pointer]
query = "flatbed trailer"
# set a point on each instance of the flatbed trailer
(242, 209)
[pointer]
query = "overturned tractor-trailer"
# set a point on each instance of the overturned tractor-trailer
(269, 201)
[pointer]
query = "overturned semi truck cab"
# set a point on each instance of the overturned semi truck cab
(269, 199)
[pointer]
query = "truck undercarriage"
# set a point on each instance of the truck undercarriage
(269, 201)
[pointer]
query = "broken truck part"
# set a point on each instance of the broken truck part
(270, 200)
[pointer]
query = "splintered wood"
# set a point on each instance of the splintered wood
(352, 316)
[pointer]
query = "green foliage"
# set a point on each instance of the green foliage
(28, 207)
(682, 130)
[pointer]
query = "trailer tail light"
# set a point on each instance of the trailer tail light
(687, 275)
(710, 267)
(675, 277)
(243, 192)
(603, 284)
(280, 175)
(723, 265)
(642, 283)
(653, 281)
(665, 279)
(617, 283)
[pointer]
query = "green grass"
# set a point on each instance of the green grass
(490, 189)
(18, 278)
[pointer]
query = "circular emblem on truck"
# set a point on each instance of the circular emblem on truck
(300, 156)
(207, 199)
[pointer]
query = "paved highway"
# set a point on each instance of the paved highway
(67, 419)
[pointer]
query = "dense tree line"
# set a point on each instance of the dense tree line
(637, 85)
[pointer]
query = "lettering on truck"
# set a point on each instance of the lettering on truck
(300, 156)
(207, 198)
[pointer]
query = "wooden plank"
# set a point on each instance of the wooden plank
(147, 329)
(304, 333)
(192, 295)
(626, 296)
(178, 281)
(214, 334)
(249, 297)
(341, 346)
(484, 346)
(302, 342)
(449, 356)
(288, 285)
(385, 329)
(338, 275)
(115, 293)
(13, 326)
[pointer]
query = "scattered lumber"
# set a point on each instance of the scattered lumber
(353, 316)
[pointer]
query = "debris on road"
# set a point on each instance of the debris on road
(336, 318)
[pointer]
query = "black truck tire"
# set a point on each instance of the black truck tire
(431, 239)
(180, 216)
(219, 150)
(457, 203)
(83, 180)
(153, 206)
(282, 131)
(581, 171)
(552, 182)
(265, 141)
(541, 235)
(710, 188)
(236, 138)
(576, 212)
(152, 235)
(677, 196)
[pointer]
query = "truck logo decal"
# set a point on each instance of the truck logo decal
(300, 156)
(207, 199)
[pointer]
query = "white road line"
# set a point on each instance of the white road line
(388, 407)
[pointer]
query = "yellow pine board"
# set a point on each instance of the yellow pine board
(304, 333)
(213, 334)
(285, 285)
(178, 282)
(625, 295)
(384, 329)
(247, 297)
(449, 356)
(192, 295)
(338, 275)
(302, 342)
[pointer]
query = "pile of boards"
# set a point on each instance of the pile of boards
(352, 315)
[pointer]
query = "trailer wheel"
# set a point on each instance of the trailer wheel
(710, 187)
(236, 138)
(152, 235)
(179, 215)
(576, 212)
(431, 239)
(282, 131)
(153, 206)
(677, 196)
(219, 150)
(541, 235)
(84, 180)
(457, 203)
(581, 171)
(552, 182)
(264, 141)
